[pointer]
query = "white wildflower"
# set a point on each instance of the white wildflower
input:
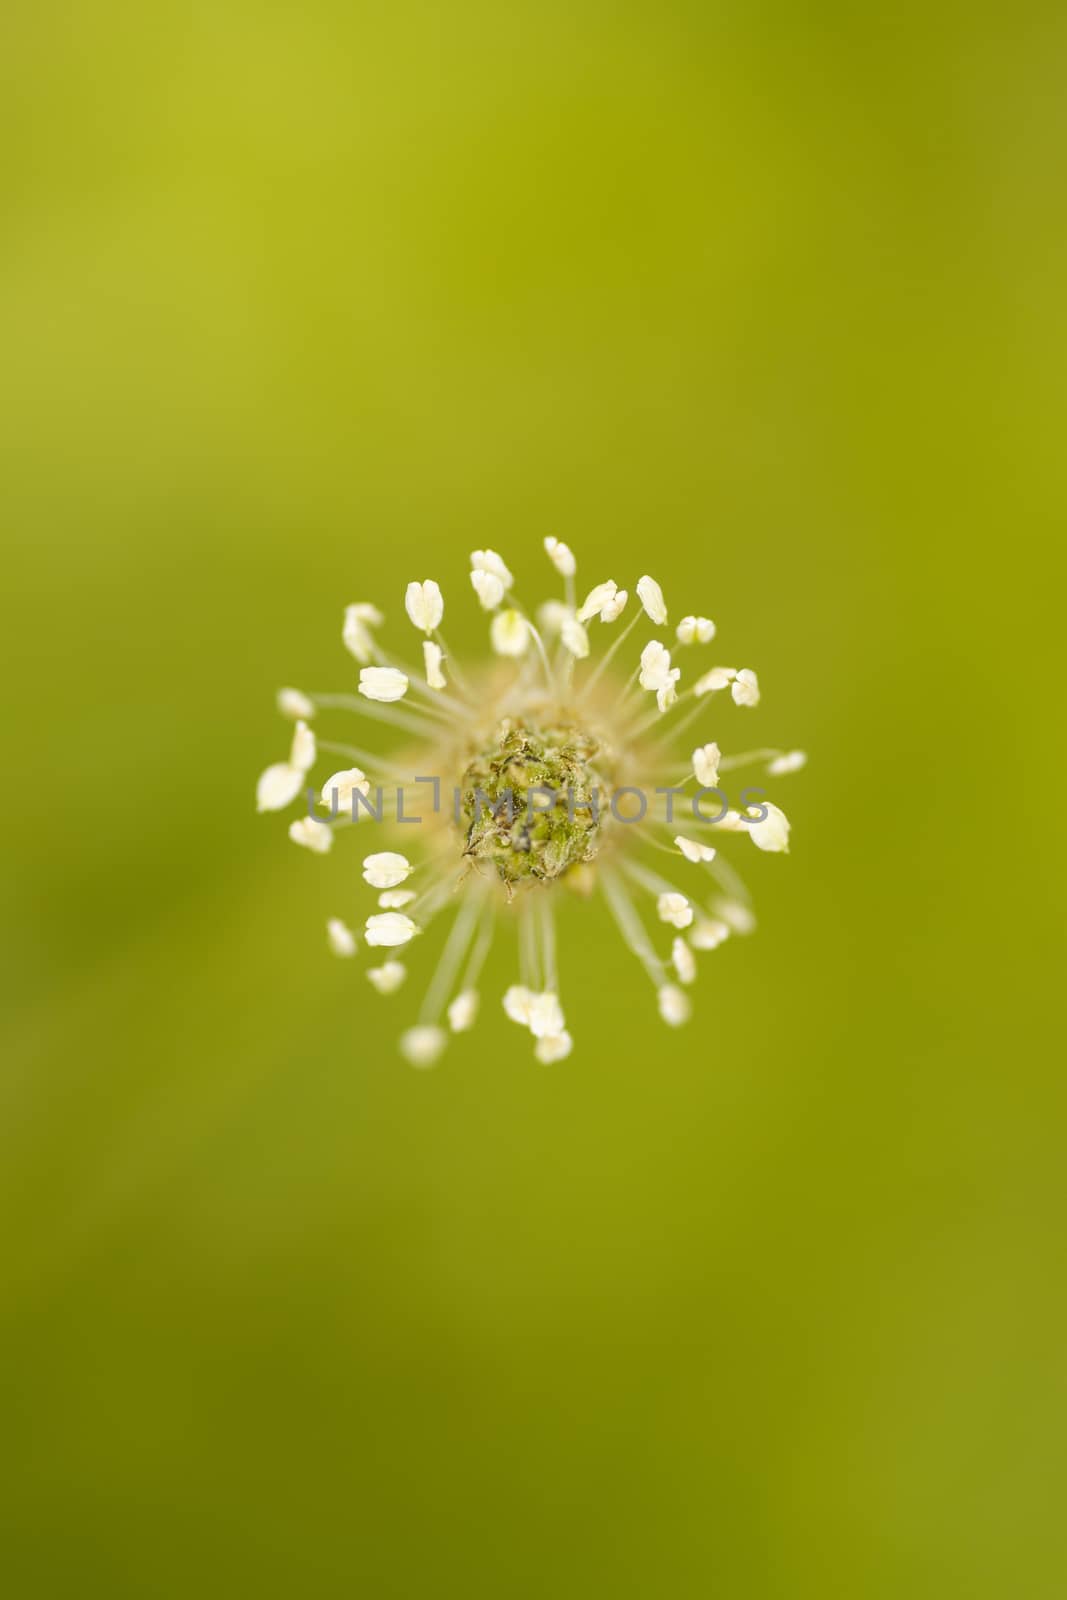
(425, 605)
(498, 741)
(386, 869)
(382, 683)
(651, 597)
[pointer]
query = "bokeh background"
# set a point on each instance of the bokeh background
(297, 303)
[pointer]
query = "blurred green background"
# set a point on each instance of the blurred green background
(297, 304)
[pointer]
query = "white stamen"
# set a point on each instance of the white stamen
(432, 656)
(575, 638)
(675, 909)
(509, 633)
(706, 765)
(489, 561)
(382, 683)
(745, 688)
(612, 609)
(552, 615)
(311, 835)
(359, 619)
(388, 978)
(696, 630)
(561, 557)
(462, 1011)
(386, 869)
(341, 938)
(423, 1046)
(425, 605)
(389, 928)
(792, 761)
(292, 703)
(303, 752)
(718, 678)
(651, 597)
(346, 783)
(553, 1047)
(597, 598)
(738, 916)
(517, 1003)
(278, 786)
(545, 1015)
(658, 675)
(693, 850)
(673, 1006)
(683, 961)
(393, 899)
(772, 833)
(488, 587)
(708, 935)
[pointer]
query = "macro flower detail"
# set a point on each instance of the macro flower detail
(525, 790)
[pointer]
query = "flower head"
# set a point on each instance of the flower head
(537, 757)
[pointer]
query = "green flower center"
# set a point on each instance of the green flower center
(528, 803)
